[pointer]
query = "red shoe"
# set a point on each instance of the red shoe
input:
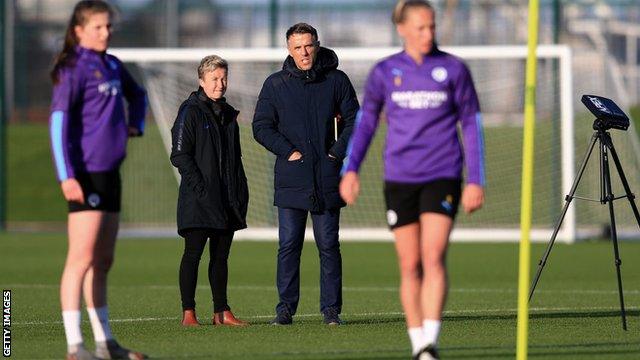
(189, 318)
(227, 318)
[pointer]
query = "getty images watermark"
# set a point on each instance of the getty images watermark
(6, 323)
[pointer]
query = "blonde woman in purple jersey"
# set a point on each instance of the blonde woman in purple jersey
(425, 94)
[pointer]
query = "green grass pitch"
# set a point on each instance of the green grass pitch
(575, 311)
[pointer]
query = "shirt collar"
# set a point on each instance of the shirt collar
(434, 50)
(82, 51)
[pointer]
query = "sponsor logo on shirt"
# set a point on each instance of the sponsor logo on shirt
(110, 88)
(419, 99)
(439, 74)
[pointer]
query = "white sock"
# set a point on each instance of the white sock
(71, 320)
(416, 336)
(431, 331)
(100, 323)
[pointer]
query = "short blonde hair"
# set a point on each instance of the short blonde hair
(210, 63)
(400, 11)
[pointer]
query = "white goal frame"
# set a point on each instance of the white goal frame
(567, 232)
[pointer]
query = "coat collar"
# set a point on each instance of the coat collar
(220, 109)
(325, 61)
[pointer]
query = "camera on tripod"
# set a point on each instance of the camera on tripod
(608, 114)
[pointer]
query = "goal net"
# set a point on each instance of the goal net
(169, 75)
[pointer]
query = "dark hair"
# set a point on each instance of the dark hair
(302, 28)
(81, 13)
(400, 11)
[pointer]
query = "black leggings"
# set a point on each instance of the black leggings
(219, 245)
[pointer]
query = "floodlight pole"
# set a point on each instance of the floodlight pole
(605, 145)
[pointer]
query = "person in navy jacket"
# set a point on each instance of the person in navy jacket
(304, 115)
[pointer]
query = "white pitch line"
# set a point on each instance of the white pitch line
(366, 314)
(344, 288)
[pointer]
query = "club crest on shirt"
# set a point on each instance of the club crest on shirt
(397, 76)
(439, 74)
(97, 74)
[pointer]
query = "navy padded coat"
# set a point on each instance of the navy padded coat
(296, 111)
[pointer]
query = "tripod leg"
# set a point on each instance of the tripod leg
(625, 183)
(614, 235)
(567, 202)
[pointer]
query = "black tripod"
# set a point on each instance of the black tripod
(605, 144)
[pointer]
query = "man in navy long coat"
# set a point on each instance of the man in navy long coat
(305, 115)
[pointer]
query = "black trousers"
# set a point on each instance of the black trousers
(219, 245)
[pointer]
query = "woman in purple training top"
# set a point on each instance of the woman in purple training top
(425, 93)
(88, 139)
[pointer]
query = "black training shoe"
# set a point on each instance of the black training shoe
(282, 318)
(428, 352)
(331, 317)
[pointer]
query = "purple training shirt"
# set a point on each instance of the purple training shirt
(423, 104)
(87, 126)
